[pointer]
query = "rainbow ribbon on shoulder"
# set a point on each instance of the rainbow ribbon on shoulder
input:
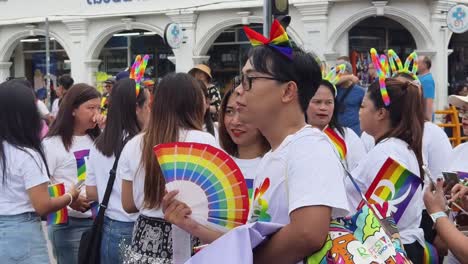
(337, 141)
(60, 216)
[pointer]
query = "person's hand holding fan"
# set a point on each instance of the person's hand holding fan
(211, 188)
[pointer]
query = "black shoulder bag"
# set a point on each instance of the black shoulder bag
(90, 243)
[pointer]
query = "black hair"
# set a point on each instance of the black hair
(207, 119)
(20, 121)
(428, 62)
(334, 123)
(64, 124)
(66, 81)
(302, 69)
(122, 122)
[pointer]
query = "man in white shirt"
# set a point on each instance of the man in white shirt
(300, 182)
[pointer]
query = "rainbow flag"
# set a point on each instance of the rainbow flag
(61, 216)
(338, 141)
(430, 254)
(80, 163)
(394, 184)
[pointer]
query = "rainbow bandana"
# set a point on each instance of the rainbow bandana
(333, 76)
(397, 67)
(278, 40)
(138, 71)
(381, 66)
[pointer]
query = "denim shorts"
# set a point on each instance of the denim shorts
(65, 239)
(116, 236)
(22, 239)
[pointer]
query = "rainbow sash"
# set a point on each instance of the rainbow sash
(337, 141)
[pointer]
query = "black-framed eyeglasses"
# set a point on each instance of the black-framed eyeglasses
(246, 81)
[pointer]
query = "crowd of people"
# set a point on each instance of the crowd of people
(275, 123)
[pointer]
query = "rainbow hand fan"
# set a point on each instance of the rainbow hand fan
(208, 180)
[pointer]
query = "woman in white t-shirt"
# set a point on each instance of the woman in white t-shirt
(322, 114)
(398, 130)
(24, 179)
(176, 115)
(67, 147)
(126, 117)
(242, 141)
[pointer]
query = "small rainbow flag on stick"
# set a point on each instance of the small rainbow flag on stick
(338, 141)
(430, 254)
(61, 216)
(394, 184)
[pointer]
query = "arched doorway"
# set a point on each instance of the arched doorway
(458, 61)
(121, 49)
(381, 33)
(29, 61)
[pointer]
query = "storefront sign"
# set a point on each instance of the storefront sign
(457, 19)
(97, 2)
(173, 35)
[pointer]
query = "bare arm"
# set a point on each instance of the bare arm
(43, 204)
(429, 108)
(128, 203)
(303, 236)
(91, 193)
(456, 241)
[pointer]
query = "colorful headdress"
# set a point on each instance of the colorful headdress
(278, 40)
(138, 71)
(380, 64)
(334, 75)
(397, 66)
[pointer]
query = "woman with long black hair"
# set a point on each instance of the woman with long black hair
(24, 193)
(127, 116)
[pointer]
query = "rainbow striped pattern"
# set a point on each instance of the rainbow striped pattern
(338, 142)
(430, 254)
(137, 72)
(397, 67)
(334, 75)
(377, 61)
(278, 40)
(81, 163)
(60, 216)
(395, 184)
(215, 172)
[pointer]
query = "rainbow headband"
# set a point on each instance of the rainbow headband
(381, 66)
(278, 40)
(138, 71)
(334, 75)
(397, 67)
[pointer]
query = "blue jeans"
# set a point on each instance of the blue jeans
(66, 238)
(22, 239)
(116, 235)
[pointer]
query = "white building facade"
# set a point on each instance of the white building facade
(329, 28)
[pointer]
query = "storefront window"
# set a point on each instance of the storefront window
(120, 52)
(458, 61)
(382, 34)
(228, 55)
(29, 58)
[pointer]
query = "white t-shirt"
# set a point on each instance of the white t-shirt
(303, 171)
(248, 168)
(130, 168)
(24, 170)
(458, 160)
(368, 141)
(42, 108)
(368, 168)
(55, 107)
(65, 165)
(436, 148)
(98, 168)
(355, 148)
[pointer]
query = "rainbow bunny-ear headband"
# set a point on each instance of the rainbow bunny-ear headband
(397, 67)
(334, 75)
(380, 64)
(138, 71)
(278, 40)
